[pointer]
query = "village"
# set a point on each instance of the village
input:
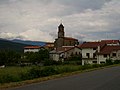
(94, 52)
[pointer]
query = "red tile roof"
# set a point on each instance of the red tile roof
(109, 49)
(32, 47)
(90, 45)
(49, 44)
(110, 41)
(79, 45)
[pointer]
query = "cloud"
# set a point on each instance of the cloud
(36, 35)
(38, 19)
(7, 35)
(96, 23)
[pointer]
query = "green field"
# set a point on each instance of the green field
(12, 74)
(16, 74)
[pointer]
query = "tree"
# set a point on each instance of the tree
(37, 57)
(44, 54)
(9, 57)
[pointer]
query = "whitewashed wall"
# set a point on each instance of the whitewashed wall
(88, 50)
(31, 50)
(54, 57)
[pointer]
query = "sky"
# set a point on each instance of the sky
(38, 20)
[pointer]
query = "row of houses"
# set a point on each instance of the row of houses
(90, 52)
(49, 46)
(99, 52)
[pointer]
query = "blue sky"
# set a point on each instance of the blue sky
(86, 20)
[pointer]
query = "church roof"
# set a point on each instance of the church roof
(69, 38)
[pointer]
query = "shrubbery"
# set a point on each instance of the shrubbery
(111, 62)
(37, 72)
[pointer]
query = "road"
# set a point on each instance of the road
(104, 79)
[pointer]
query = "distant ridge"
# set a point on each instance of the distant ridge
(9, 45)
(37, 43)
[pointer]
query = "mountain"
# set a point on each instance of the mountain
(37, 43)
(9, 45)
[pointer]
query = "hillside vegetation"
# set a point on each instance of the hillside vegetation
(8, 45)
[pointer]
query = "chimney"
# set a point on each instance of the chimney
(98, 49)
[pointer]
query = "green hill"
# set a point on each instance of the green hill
(9, 45)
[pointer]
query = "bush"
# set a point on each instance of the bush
(86, 67)
(51, 62)
(6, 78)
(42, 72)
(109, 62)
(116, 61)
(34, 72)
(25, 76)
(47, 71)
(96, 65)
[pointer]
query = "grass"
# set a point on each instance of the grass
(13, 70)
(63, 71)
(12, 74)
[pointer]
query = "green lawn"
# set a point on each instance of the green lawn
(9, 74)
(16, 74)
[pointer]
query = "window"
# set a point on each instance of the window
(105, 55)
(94, 61)
(75, 53)
(88, 55)
(114, 54)
(94, 48)
(94, 55)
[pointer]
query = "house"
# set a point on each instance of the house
(62, 40)
(99, 52)
(32, 49)
(89, 52)
(108, 52)
(49, 46)
(64, 52)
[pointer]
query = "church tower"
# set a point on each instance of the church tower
(62, 40)
(61, 31)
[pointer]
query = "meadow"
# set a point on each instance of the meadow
(17, 74)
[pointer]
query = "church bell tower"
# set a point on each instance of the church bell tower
(61, 31)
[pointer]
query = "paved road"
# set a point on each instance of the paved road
(105, 79)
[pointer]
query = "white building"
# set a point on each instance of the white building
(32, 49)
(64, 52)
(89, 52)
(108, 52)
(98, 52)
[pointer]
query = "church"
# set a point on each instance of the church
(62, 40)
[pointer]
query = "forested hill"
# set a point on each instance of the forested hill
(9, 45)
